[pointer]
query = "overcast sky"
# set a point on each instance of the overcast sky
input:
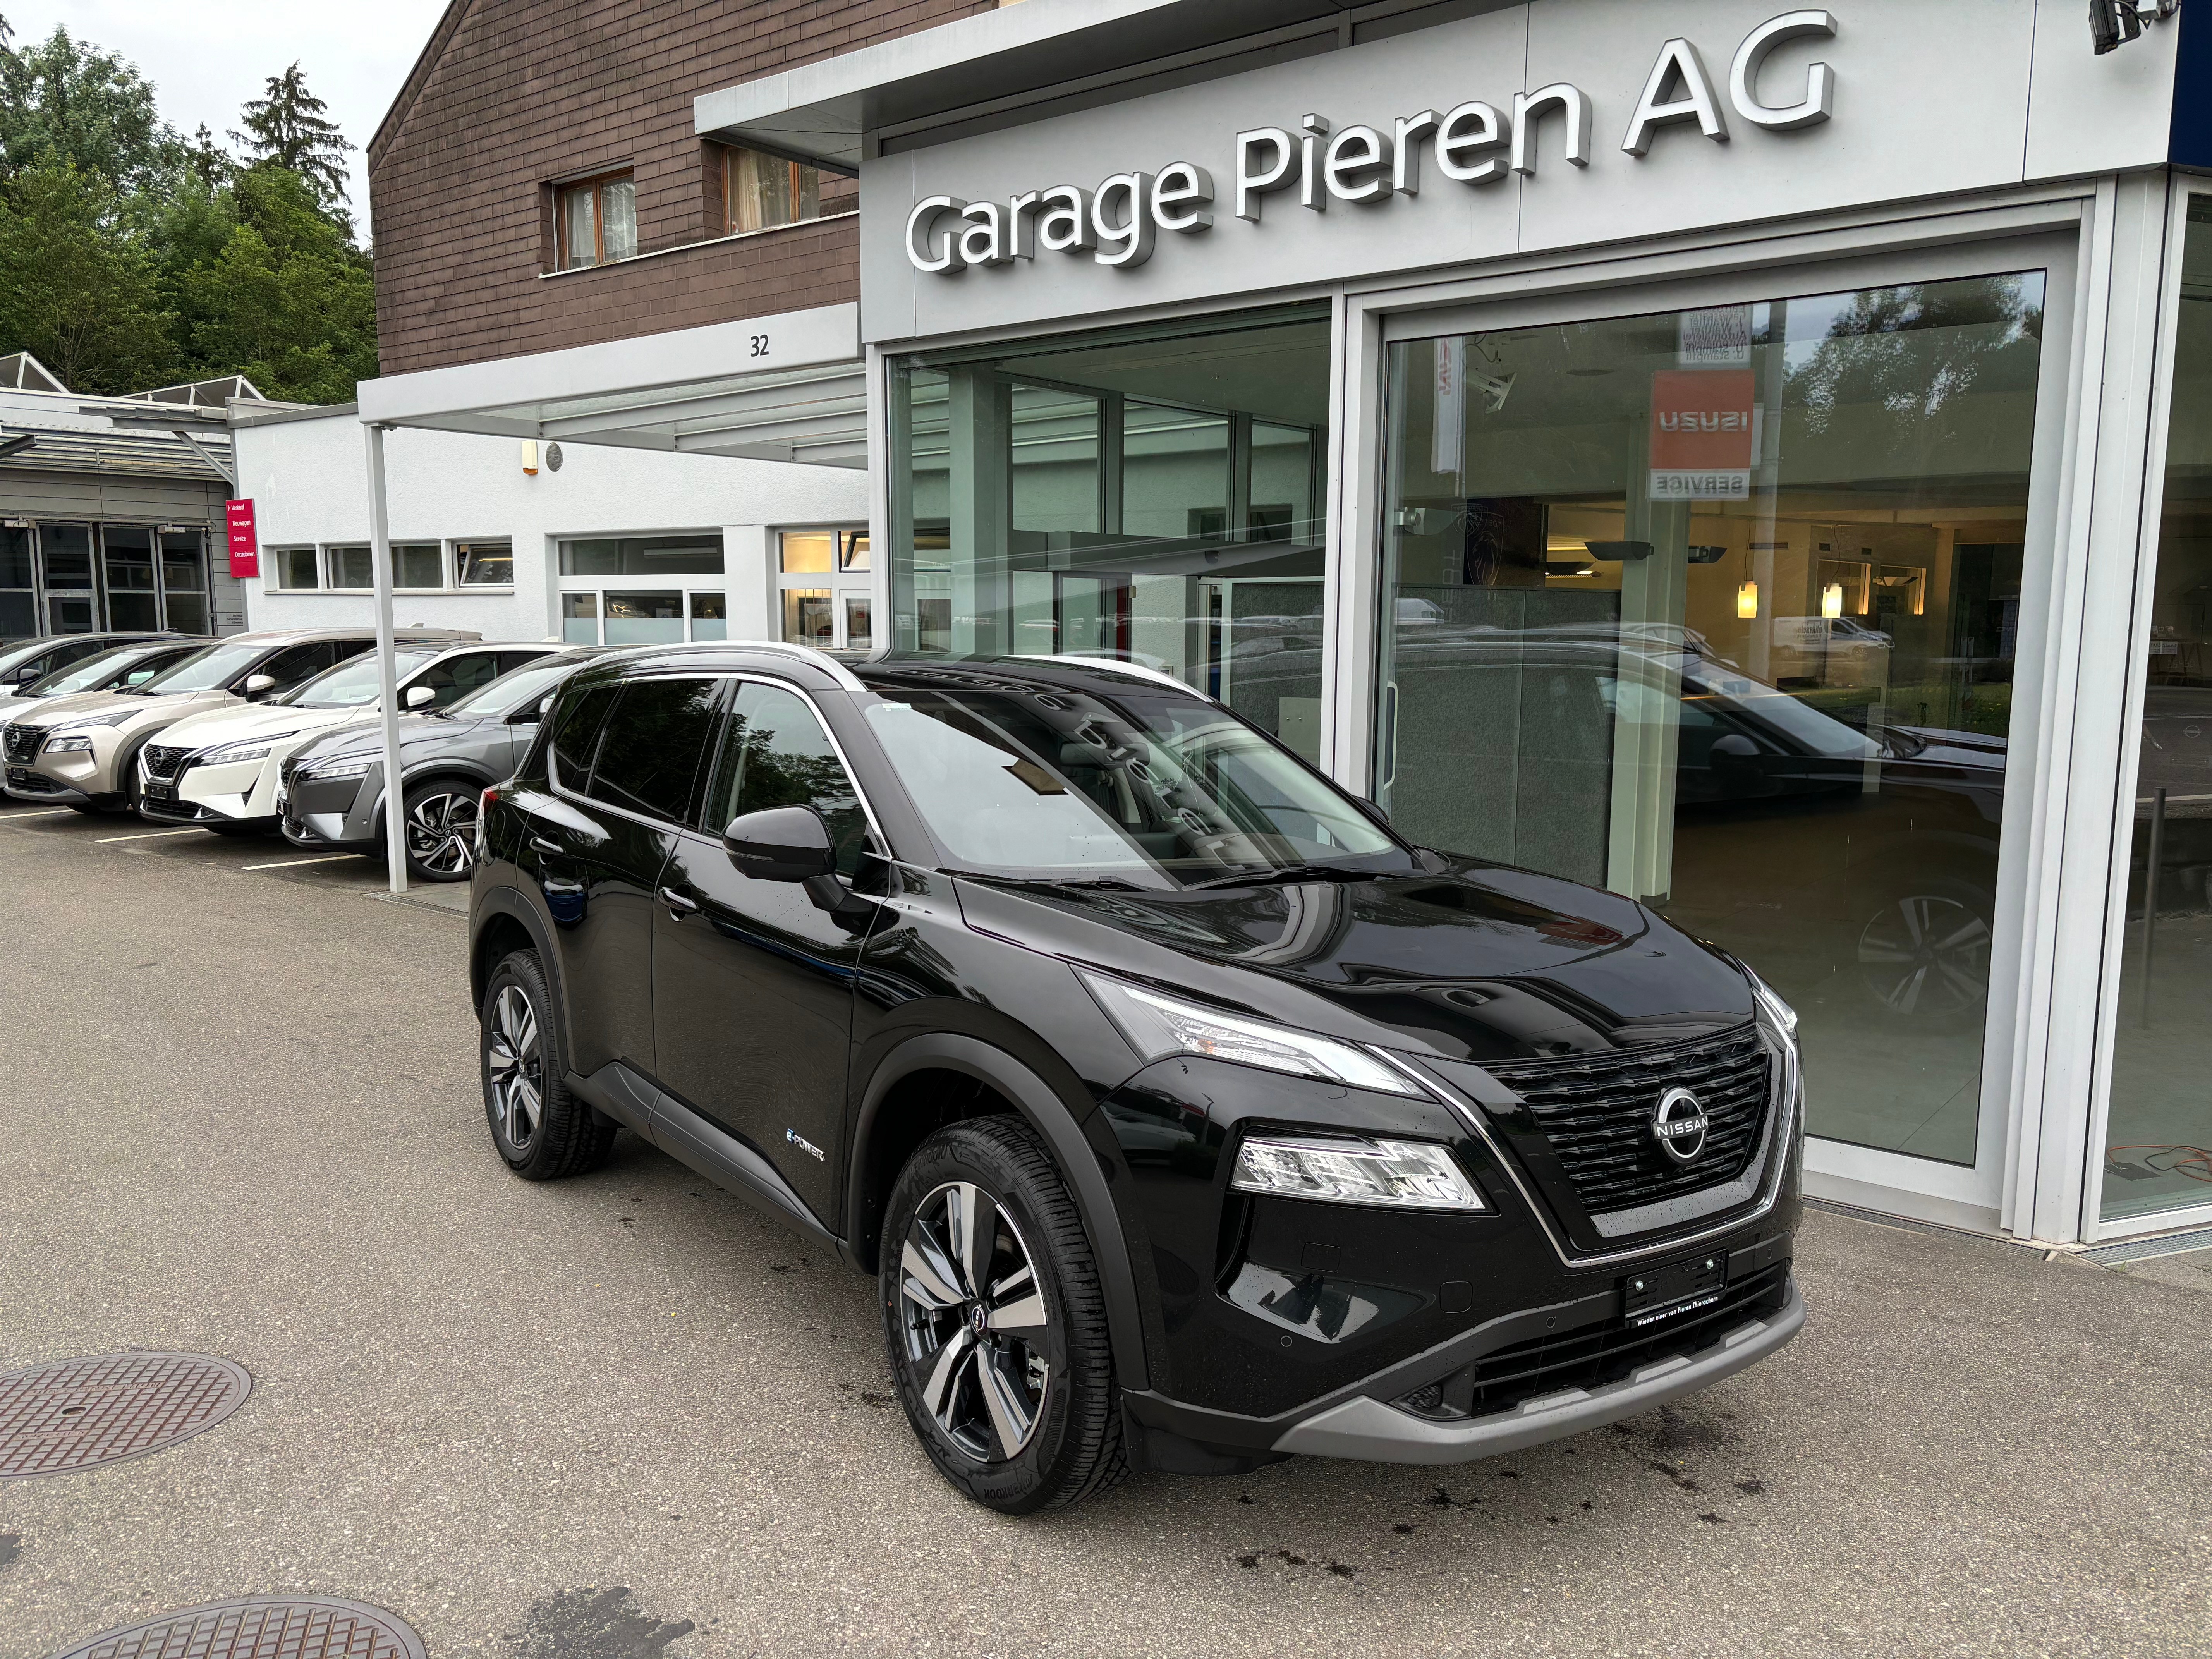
(207, 58)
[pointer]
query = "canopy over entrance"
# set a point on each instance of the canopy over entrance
(790, 387)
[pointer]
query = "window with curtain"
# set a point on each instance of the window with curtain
(596, 220)
(761, 192)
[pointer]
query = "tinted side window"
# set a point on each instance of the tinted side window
(456, 677)
(775, 753)
(513, 659)
(296, 663)
(654, 743)
(576, 727)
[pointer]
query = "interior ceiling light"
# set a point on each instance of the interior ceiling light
(1832, 600)
(1747, 600)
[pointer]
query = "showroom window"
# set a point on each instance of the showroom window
(596, 221)
(1151, 495)
(823, 587)
(19, 599)
(65, 571)
(644, 590)
(2158, 1140)
(1720, 609)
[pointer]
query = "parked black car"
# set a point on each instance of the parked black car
(1189, 1117)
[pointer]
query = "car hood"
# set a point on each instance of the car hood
(60, 711)
(368, 737)
(240, 722)
(1476, 961)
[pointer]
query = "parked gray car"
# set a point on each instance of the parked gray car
(332, 793)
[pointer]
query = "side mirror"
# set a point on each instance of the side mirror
(781, 843)
(419, 694)
(259, 685)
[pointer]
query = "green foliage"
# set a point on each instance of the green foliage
(82, 299)
(131, 258)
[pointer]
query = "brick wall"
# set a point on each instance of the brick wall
(511, 94)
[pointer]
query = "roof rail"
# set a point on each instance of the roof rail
(822, 660)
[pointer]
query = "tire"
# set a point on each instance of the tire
(1924, 952)
(440, 829)
(1020, 1423)
(544, 1132)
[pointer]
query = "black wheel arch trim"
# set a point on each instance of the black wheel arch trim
(511, 902)
(1043, 1110)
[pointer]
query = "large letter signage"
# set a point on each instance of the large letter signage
(1118, 221)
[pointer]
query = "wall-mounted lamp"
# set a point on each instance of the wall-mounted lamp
(1832, 600)
(530, 456)
(1747, 600)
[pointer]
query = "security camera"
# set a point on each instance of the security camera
(2113, 23)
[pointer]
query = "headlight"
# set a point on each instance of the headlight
(1779, 1014)
(68, 746)
(251, 748)
(1405, 1174)
(1158, 1026)
(113, 717)
(344, 769)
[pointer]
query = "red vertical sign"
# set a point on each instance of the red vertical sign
(244, 543)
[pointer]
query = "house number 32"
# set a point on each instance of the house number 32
(760, 345)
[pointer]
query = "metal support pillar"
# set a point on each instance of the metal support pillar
(387, 662)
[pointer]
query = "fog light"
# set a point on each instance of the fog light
(1402, 1173)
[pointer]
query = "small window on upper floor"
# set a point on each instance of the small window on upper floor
(761, 191)
(596, 221)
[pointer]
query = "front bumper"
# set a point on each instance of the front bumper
(1365, 1427)
(342, 812)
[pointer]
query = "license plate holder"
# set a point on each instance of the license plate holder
(19, 776)
(1672, 1289)
(162, 792)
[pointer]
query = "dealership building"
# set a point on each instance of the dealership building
(1753, 460)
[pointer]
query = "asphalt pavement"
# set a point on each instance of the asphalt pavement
(624, 1416)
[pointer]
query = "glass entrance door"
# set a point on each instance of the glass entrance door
(66, 574)
(2158, 1141)
(1719, 609)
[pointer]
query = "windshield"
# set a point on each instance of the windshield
(351, 684)
(90, 675)
(203, 670)
(1152, 789)
(514, 689)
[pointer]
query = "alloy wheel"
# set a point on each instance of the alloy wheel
(441, 833)
(1924, 954)
(975, 1321)
(518, 1068)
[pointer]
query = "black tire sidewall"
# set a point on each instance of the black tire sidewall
(520, 968)
(1039, 1474)
(1952, 887)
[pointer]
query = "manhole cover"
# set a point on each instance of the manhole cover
(261, 1627)
(81, 1413)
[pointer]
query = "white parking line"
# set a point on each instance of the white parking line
(286, 864)
(43, 812)
(150, 834)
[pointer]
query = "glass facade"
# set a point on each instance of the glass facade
(1719, 609)
(2158, 1150)
(1148, 494)
(63, 578)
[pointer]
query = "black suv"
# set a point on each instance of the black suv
(1188, 1117)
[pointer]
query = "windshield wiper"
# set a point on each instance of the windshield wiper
(1260, 876)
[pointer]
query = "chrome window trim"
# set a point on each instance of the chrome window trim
(1778, 1146)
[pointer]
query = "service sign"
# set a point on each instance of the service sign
(244, 540)
(1704, 427)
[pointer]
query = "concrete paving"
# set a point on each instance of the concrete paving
(624, 1416)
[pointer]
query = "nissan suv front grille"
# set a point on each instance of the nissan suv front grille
(1594, 1355)
(1598, 1111)
(163, 763)
(20, 742)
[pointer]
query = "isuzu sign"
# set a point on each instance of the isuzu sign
(1703, 432)
(1117, 223)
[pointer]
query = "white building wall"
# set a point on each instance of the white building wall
(308, 480)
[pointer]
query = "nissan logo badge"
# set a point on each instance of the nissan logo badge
(1680, 1124)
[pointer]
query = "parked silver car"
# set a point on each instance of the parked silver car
(333, 788)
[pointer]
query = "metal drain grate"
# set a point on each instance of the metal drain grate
(82, 1414)
(2143, 1250)
(261, 1627)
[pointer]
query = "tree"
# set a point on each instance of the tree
(74, 291)
(287, 127)
(289, 301)
(63, 101)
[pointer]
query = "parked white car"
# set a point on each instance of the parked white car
(223, 768)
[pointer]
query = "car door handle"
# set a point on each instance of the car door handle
(540, 844)
(679, 906)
